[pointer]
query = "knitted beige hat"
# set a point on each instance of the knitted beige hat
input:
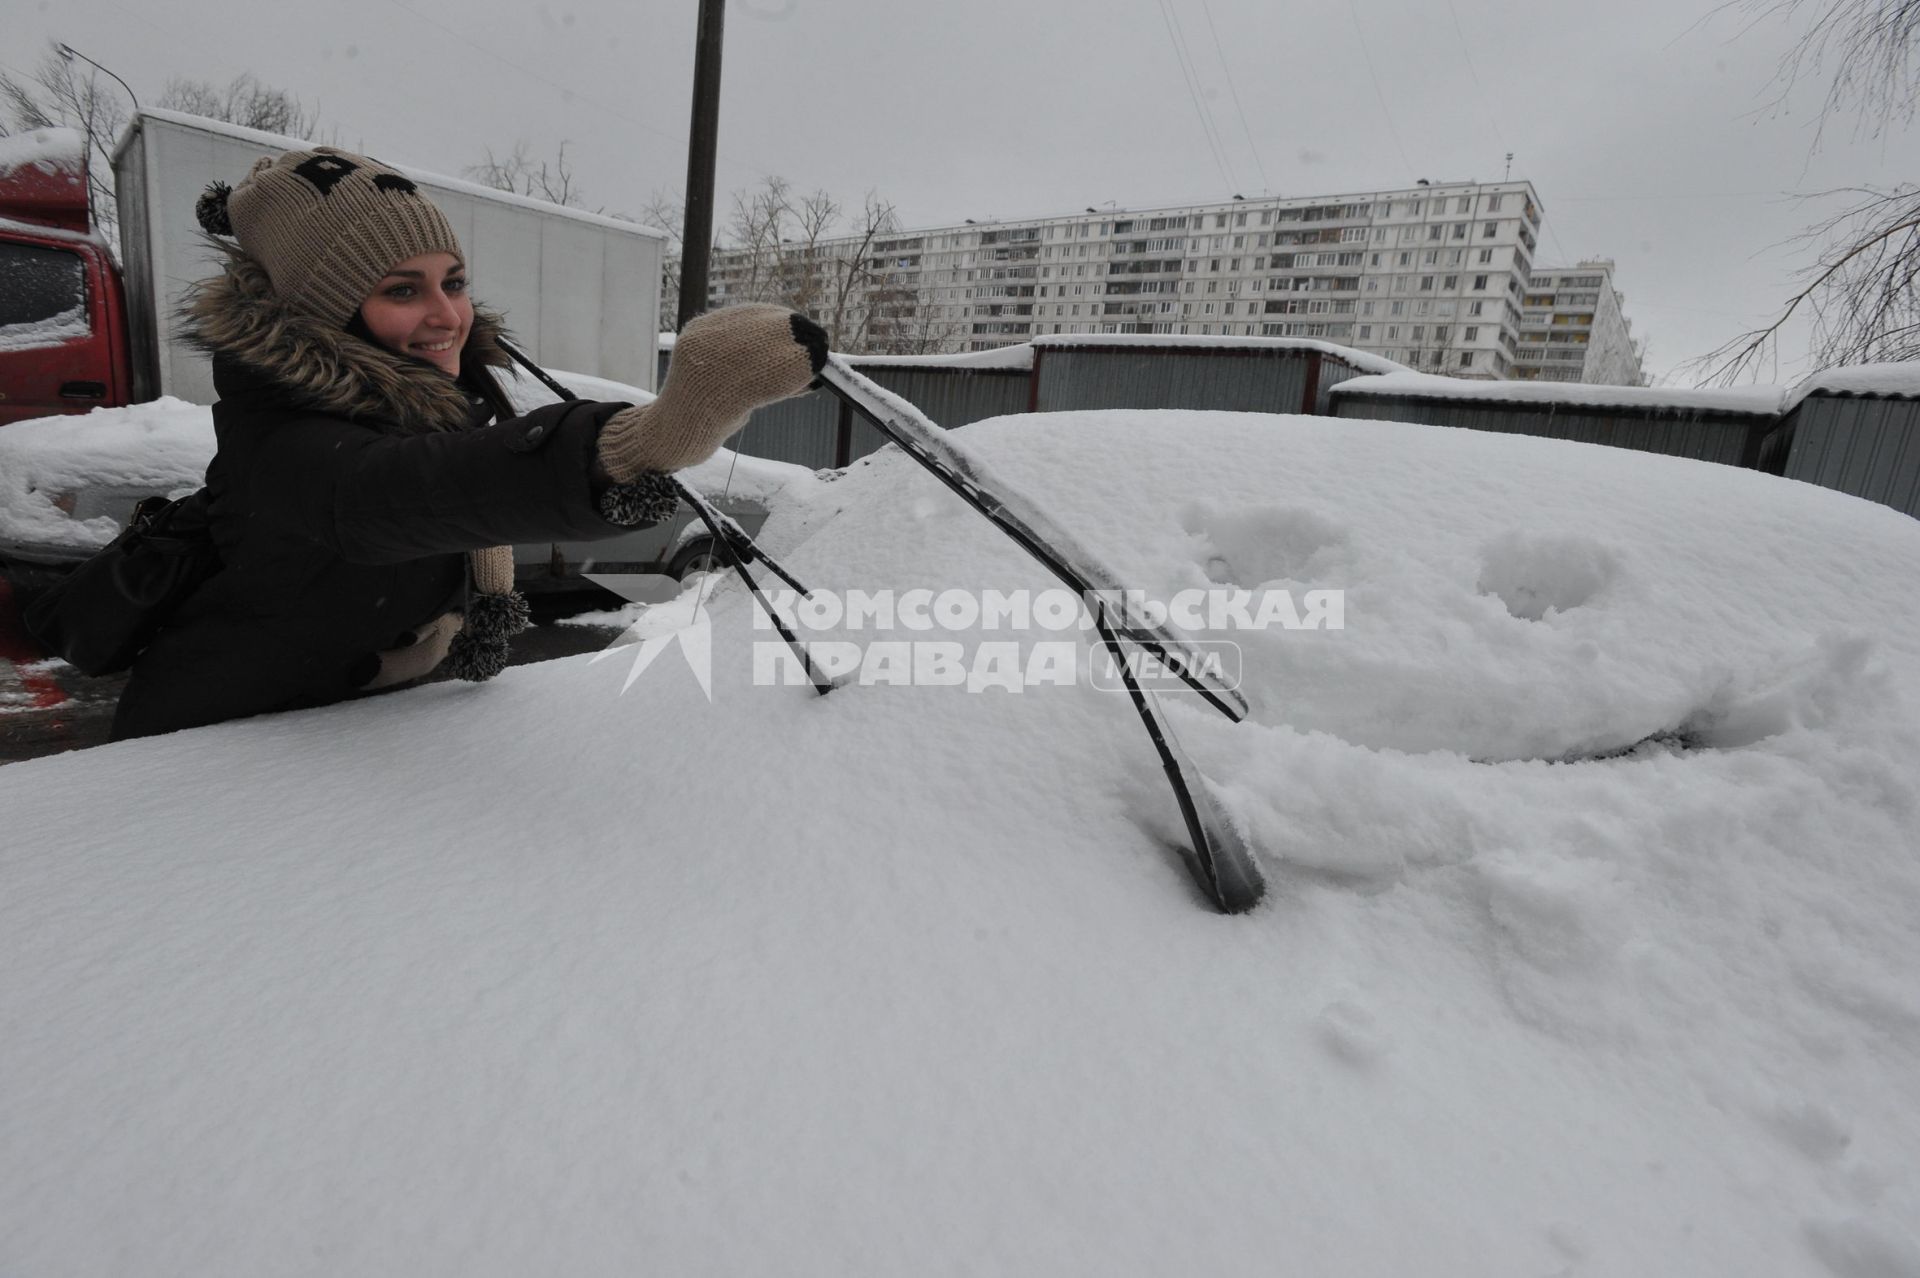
(326, 224)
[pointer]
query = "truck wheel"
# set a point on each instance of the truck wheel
(699, 555)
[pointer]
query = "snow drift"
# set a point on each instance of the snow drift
(1590, 949)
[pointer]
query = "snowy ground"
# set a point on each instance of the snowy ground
(539, 977)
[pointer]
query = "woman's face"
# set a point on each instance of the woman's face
(420, 308)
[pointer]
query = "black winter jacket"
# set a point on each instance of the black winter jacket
(340, 532)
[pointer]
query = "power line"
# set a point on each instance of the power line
(1466, 55)
(1353, 11)
(1192, 78)
(567, 91)
(1260, 168)
(1669, 195)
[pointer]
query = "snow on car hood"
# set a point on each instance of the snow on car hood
(1590, 945)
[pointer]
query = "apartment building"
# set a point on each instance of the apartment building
(1432, 276)
(1573, 327)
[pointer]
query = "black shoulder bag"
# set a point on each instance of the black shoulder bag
(100, 616)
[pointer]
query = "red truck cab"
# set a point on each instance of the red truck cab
(63, 321)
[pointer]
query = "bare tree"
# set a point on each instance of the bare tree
(244, 101)
(1865, 48)
(668, 215)
(1859, 293)
(521, 174)
(59, 95)
(857, 277)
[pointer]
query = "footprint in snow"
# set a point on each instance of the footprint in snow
(1349, 1032)
(1853, 1248)
(1536, 575)
(1257, 544)
(1810, 1127)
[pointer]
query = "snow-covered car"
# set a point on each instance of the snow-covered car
(1591, 945)
(69, 484)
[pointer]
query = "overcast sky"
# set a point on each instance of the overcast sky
(1643, 124)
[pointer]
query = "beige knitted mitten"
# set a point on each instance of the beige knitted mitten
(725, 364)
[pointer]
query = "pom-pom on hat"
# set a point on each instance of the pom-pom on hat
(326, 224)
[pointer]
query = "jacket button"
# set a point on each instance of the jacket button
(534, 433)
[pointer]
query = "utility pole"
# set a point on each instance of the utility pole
(696, 237)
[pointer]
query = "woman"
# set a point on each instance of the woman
(363, 506)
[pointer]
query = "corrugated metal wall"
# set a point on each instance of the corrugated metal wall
(1867, 447)
(806, 430)
(1252, 381)
(802, 430)
(1333, 371)
(954, 396)
(1719, 437)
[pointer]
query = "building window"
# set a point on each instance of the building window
(1479, 282)
(1366, 332)
(1463, 205)
(1486, 257)
(1471, 334)
(1489, 230)
(1493, 203)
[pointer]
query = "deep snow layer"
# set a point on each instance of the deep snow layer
(1724, 399)
(52, 149)
(538, 977)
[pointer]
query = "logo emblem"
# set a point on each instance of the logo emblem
(324, 170)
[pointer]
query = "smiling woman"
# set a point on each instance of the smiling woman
(421, 309)
(370, 477)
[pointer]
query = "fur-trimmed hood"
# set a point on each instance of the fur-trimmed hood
(236, 316)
